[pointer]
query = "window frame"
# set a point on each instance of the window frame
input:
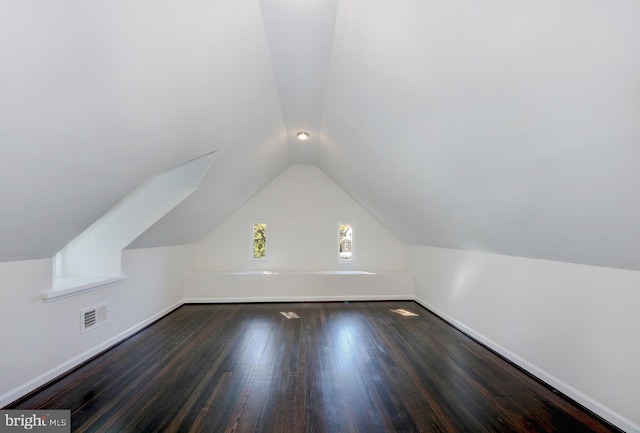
(253, 241)
(340, 259)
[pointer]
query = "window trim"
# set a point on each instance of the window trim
(266, 250)
(353, 243)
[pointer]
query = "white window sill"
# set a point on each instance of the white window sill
(65, 287)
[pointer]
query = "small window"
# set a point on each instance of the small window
(260, 241)
(345, 243)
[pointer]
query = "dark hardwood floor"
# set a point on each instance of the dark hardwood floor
(340, 367)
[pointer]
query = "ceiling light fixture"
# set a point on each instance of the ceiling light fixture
(303, 136)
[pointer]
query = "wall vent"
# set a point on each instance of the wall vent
(92, 317)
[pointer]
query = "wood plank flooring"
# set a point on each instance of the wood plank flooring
(340, 367)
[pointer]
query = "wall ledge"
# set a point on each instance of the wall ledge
(297, 286)
(65, 287)
(295, 272)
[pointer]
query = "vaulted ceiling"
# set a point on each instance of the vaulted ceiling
(507, 127)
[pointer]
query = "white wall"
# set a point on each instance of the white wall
(40, 341)
(97, 251)
(302, 208)
(573, 326)
(297, 287)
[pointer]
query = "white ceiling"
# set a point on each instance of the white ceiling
(508, 127)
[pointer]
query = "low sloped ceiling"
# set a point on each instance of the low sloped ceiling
(511, 128)
(508, 128)
(97, 97)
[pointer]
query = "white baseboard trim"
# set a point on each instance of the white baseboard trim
(583, 399)
(566, 389)
(272, 299)
(24, 389)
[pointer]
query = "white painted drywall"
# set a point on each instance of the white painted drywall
(40, 341)
(509, 127)
(97, 250)
(574, 326)
(302, 208)
(255, 286)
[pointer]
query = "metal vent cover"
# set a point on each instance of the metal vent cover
(92, 317)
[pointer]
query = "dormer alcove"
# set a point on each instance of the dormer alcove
(93, 259)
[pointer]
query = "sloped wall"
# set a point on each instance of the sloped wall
(302, 209)
(573, 326)
(41, 341)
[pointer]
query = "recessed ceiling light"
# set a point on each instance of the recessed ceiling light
(303, 136)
